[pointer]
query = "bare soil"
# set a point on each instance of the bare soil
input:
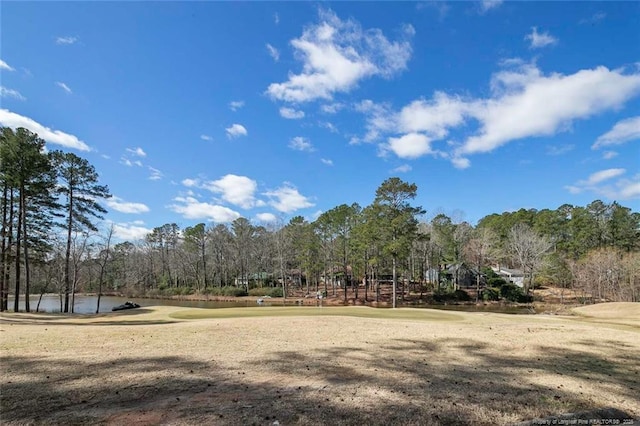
(338, 366)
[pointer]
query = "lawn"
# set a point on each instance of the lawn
(316, 366)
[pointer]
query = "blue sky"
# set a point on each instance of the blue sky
(204, 112)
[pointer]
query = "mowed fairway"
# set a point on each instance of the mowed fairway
(316, 366)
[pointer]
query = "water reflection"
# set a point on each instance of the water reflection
(87, 304)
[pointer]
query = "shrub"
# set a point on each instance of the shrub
(266, 291)
(452, 296)
(490, 293)
(496, 282)
(234, 291)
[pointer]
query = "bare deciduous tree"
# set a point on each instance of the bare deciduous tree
(528, 249)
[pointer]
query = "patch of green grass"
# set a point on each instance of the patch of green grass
(360, 312)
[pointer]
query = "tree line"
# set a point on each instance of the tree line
(43, 194)
(349, 249)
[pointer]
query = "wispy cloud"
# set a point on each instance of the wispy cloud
(559, 150)
(608, 155)
(402, 169)
(486, 5)
(291, 114)
(276, 18)
(66, 40)
(538, 40)
(5, 66)
(236, 130)
(236, 105)
(57, 137)
(206, 137)
(332, 108)
(329, 126)
(594, 19)
(336, 55)
(327, 161)
(300, 143)
(11, 93)
(155, 173)
(601, 184)
(273, 52)
(63, 87)
(623, 131)
(138, 152)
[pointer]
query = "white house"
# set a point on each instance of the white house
(515, 276)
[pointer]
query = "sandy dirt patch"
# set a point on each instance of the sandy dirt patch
(152, 366)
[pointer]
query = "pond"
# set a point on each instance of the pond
(87, 304)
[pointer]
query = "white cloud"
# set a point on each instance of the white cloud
(119, 205)
(139, 152)
(66, 40)
(236, 130)
(11, 93)
(238, 190)
(13, 120)
(336, 55)
(190, 208)
(602, 175)
(64, 87)
(608, 155)
(206, 137)
(332, 108)
(130, 231)
(411, 145)
(155, 173)
(189, 183)
(405, 168)
(629, 189)
(276, 18)
(559, 150)
(600, 184)
(623, 131)
(291, 114)
(236, 105)
(595, 18)
(327, 161)
(329, 126)
(434, 117)
(487, 5)
(5, 66)
(460, 162)
(522, 109)
(287, 199)
(266, 217)
(273, 52)
(299, 143)
(518, 108)
(539, 40)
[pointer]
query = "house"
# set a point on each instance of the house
(515, 276)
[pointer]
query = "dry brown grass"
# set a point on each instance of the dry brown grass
(150, 366)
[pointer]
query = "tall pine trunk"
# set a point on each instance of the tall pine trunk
(27, 272)
(67, 256)
(16, 300)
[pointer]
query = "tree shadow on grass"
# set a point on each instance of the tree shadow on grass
(406, 382)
